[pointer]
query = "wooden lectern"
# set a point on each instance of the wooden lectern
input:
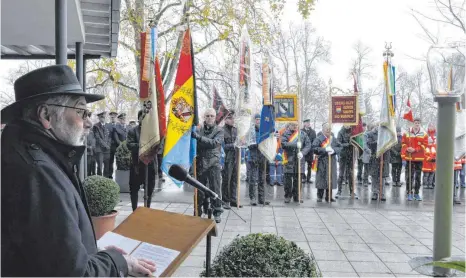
(167, 229)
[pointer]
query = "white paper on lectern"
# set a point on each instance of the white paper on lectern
(125, 243)
(162, 256)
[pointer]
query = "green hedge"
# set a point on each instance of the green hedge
(263, 255)
(123, 157)
(102, 194)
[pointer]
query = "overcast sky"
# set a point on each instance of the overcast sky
(374, 22)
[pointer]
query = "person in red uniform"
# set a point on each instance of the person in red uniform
(413, 144)
(430, 155)
(456, 178)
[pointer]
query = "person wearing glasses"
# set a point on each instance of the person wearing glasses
(209, 142)
(46, 225)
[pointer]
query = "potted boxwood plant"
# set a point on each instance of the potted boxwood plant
(263, 255)
(102, 195)
(123, 163)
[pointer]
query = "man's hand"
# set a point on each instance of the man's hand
(300, 155)
(195, 135)
(139, 267)
(410, 150)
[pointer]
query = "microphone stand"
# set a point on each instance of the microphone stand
(209, 237)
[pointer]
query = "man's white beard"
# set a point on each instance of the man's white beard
(68, 134)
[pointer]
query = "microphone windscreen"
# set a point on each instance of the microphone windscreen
(177, 172)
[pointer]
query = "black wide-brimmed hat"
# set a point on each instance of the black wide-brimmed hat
(121, 116)
(47, 81)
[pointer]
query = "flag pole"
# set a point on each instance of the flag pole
(196, 115)
(381, 176)
(299, 147)
(196, 212)
(238, 176)
(353, 177)
(330, 193)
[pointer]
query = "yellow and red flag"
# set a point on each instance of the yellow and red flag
(179, 147)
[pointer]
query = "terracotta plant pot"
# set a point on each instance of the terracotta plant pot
(103, 224)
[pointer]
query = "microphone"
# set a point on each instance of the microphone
(177, 172)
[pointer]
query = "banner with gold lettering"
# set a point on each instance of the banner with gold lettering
(345, 110)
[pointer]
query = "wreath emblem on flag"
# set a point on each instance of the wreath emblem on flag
(182, 110)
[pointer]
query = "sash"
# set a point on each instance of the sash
(324, 145)
(293, 138)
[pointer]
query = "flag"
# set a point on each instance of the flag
(267, 141)
(408, 115)
(179, 147)
(219, 107)
(357, 131)
(150, 131)
(245, 100)
(393, 82)
(160, 99)
(387, 130)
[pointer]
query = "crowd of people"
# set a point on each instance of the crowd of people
(46, 224)
(415, 152)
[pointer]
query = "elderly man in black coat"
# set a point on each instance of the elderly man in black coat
(46, 225)
(311, 134)
(326, 147)
(209, 142)
(294, 151)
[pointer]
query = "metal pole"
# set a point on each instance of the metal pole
(444, 177)
(79, 62)
(84, 74)
(80, 75)
(61, 36)
(146, 186)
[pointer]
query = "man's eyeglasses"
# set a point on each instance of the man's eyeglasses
(210, 116)
(85, 112)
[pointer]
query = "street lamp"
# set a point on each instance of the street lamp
(446, 66)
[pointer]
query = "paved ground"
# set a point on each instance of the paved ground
(347, 238)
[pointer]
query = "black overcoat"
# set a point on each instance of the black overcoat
(46, 225)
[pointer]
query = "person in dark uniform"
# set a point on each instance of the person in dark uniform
(137, 173)
(114, 144)
(230, 172)
(132, 124)
(290, 145)
(90, 142)
(159, 160)
(375, 165)
(103, 139)
(47, 229)
(311, 134)
(363, 165)
(120, 131)
(345, 169)
(326, 145)
(257, 166)
(209, 142)
(396, 161)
